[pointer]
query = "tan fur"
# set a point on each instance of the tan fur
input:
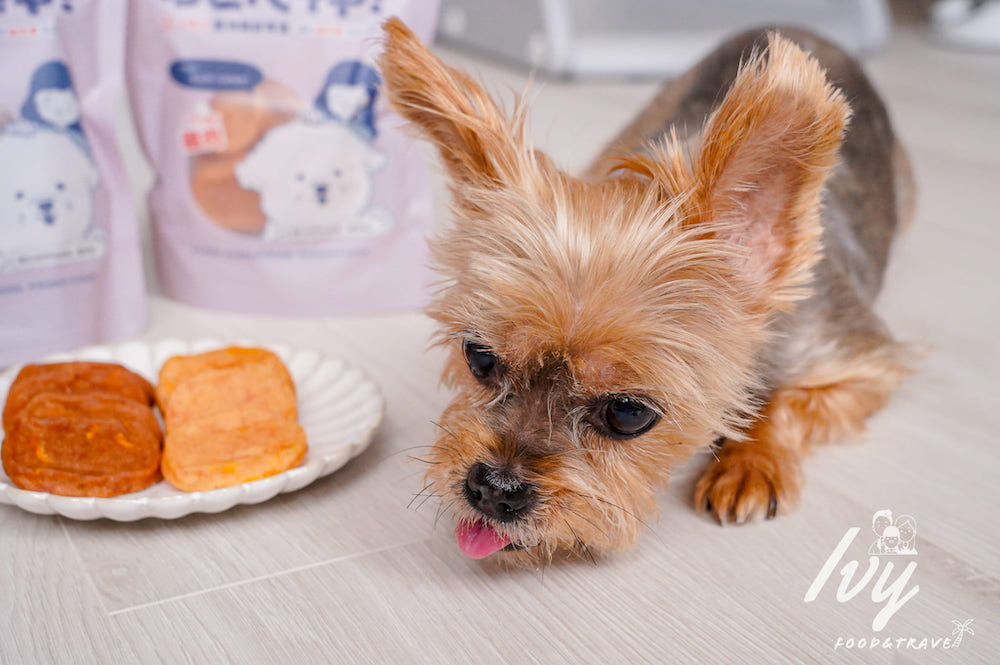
(659, 280)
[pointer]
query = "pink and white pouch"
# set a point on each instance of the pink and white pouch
(70, 259)
(284, 183)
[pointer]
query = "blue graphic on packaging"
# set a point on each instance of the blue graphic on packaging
(215, 74)
(34, 7)
(348, 96)
(51, 101)
(46, 203)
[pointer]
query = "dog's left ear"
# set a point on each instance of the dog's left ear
(757, 179)
(766, 153)
(478, 144)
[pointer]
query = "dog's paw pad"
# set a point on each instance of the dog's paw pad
(748, 481)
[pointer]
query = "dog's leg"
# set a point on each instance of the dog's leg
(760, 476)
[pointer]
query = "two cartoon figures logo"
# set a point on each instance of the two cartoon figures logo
(893, 537)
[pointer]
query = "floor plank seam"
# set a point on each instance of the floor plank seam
(260, 578)
(91, 582)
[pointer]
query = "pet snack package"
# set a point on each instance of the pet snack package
(70, 257)
(284, 183)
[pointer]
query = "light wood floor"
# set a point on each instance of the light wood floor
(344, 571)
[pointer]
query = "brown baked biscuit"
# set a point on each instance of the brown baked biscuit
(228, 449)
(96, 444)
(72, 378)
(179, 369)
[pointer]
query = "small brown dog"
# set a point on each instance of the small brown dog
(709, 282)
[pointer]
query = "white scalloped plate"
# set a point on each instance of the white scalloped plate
(339, 408)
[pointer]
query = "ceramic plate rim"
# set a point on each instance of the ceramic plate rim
(176, 504)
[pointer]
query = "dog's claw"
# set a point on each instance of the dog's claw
(772, 506)
(745, 483)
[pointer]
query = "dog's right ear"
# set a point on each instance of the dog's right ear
(478, 144)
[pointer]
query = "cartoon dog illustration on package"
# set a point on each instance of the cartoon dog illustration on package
(314, 178)
(47, 184)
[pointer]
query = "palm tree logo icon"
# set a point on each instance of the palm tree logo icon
(960, 629)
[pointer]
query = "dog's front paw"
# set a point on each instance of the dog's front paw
(749, 480)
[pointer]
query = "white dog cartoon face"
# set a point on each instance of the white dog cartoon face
(46, 192)
(314, 178)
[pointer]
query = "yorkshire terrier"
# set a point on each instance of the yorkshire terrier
(706, 285)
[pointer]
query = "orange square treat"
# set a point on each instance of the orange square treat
(253, 388)
(180, 368)
(96, 444)
(226, 449)
(230, 416)
(73, 378)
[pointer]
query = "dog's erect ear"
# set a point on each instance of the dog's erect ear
(756, 180)
(766, 153)
(478, 145)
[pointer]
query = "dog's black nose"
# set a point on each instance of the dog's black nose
(496, 494)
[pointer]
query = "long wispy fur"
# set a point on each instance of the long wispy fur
(660, 279)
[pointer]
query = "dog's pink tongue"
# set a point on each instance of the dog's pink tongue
(479, 539)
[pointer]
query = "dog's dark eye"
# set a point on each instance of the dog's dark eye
(300, 177)
(626, 417)
(482, 362)
(336, 173)
(60, 186)
(19, 195)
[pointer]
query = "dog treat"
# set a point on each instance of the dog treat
(230, 417)
(69, 239)
(225, 449)
(278, 161)
(252, 387)
(180, 368)
(72, 378)
(96, 444)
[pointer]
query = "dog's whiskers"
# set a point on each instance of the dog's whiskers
(580, 542)
(443, 428)
(611, 504)
(420, 494)
(567, 509)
